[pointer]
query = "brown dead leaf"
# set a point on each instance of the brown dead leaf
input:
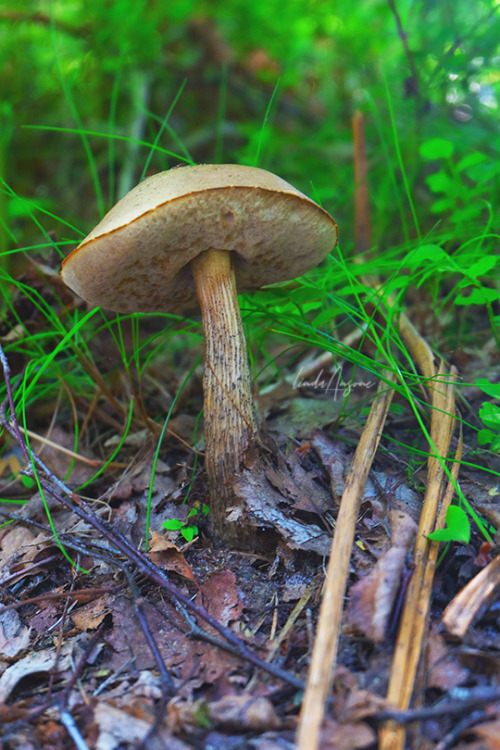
(166, 555)
(11, 463)
(346, 736)
(444, 669)
(13, 546)
(90, 616)
(299, 486)
(242, 713)
(117, 727)
(491, 733)
(221, 597)
(264, 509)
(460, 612)
(362, 703)
(50, 734)
(371, 599)
(14, 636)
(335, 459)
(48, 614)
(35, 663)
(127, 638)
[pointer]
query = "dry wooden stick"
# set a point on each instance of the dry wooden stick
(326, 641)
(462, 609)
(416, 608)
(362, 224)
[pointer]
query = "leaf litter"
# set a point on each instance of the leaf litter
(216, 696)
(114, 658)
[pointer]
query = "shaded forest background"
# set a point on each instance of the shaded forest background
(263, 82)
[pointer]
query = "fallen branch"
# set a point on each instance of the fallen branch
(326, 642)
(412, 632)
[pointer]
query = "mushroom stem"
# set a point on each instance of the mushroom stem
(230, 424)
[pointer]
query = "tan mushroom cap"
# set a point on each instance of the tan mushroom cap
(137, 258)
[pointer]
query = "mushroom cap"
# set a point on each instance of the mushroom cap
(137, 258)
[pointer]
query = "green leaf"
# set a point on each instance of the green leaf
(28, 482)
(478, 297)
(457, 527)
(428, 252)
(397, 409)
(189, 533)
(484, 437)
(325, 316)
(482, 266)
(491, 389)
(436, 148)
(471, 160)
(440, 183)
(173, 524)
(489, 414)
(442, 205)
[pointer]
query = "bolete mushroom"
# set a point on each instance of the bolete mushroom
(195, 236)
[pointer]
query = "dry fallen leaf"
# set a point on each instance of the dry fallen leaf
(90, 616)
(242, 713)
(34, 663)
(221, 597)
(166, 555)
(444, 668)
(346, 736)
(490, 732)
(14, 636)
(117, 727)
(371, 599)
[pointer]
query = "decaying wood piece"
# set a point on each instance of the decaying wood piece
(414, 618)
(463, 608)
(326, 641)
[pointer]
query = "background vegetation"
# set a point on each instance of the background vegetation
(96, 94)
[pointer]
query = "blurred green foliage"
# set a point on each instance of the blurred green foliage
(97, 93)
(420, 70)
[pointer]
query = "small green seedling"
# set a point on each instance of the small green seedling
(457, 527)
(490, 416)
(188, 530)
(460, 185)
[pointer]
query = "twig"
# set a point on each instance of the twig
(21, 573)
(450, 739)
(67, 452)
(330, 616)
(88, 594)
(412, 630)
(168, 688)
(78, 506)
(460, 700)
(66, 717)
(89, 647)
(409, 54)
(73, 731)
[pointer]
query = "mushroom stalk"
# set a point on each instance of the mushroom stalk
(141, 257)
(230, 423)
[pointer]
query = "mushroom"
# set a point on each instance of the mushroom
(192, 237)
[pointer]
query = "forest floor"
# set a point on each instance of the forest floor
(197, 645)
